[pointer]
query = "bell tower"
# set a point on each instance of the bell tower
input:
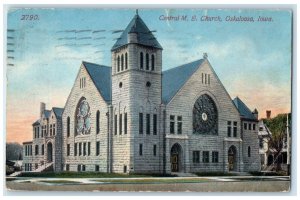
(136, 99)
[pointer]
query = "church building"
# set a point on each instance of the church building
(132, 117)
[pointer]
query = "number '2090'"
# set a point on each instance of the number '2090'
(29, 17)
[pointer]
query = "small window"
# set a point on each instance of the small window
(78, 168)
(126, 61)
(141, 60)
(172, 124)
(68, 127)
(122, 62)
(245, 126)
(229, 128)
(83, 168)
(97, 168)
(254, 127)
(205, 157)
(154, 150)
(116, 124)
(196, 156)
(249, 151)
(97, 148)
(67, 167)
(215, 157)
(98, 122)
(120, 85)
(75, 149)
(261, 128)
(261, 143)
(152, 62)
(89, 148)
(141, 123)
(125, 168)
(179, 125)
(36, 149)
(118, 63)
(84, 148)
(148, 84)
(68, 149)
(208, 79)
(249, 127)
(148, 124)
(205, 78)
(120, 124)
(53, 129)
(141, 149)
(80, 149)
(147, 61)
(125, 123)
(202, 77)
(234, 129)
(154, 124)
(43, 149)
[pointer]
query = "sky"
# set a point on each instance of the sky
(252, 59)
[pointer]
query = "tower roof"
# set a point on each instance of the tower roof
(243, 109)
(144, 35)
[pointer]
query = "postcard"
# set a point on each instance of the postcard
(159, 100)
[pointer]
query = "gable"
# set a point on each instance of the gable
(173, 79)
(101, 77)
(244, 111)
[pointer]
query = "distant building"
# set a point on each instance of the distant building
(133, 117)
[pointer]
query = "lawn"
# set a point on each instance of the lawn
(88, 175)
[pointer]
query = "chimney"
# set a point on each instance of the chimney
(268, 113)
(255, 113)
(42, 108)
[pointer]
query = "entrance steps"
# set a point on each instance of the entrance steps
(16, 174)
(44, 167)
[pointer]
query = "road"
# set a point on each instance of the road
(198, 184)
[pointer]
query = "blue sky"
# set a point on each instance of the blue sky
(253, 60)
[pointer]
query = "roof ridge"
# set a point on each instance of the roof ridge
(182, 65)
(83, 62)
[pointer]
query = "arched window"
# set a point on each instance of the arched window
(249, 151)
(98, 122)
(118, 63)
(68, 126)
(147, 61)
(205, 116)
(82, 118)
(141, 60)
(152, 62)
(122, 62)
(126, 61)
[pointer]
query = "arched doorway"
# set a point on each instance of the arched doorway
(176, 158)
(49, 152)
(232, 160)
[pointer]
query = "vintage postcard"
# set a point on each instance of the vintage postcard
(160, 100)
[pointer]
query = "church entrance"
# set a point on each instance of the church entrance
(232, 158)
(49, 152)
(176, 158)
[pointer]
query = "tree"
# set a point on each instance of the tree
(277, 141)
(14, 151)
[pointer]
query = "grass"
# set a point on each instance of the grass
(280, 173)
(88, 175)
(215, 174)
(149, 181)
(59, 181)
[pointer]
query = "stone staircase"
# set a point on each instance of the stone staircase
(46, 167)
(15, 174)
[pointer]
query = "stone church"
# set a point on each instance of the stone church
(133, 117)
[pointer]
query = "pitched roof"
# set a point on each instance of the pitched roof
(47, 113)
(144, 35)
(37, 122)
(101, 76)
(244, 111)
(173, 79)
(58, 111)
